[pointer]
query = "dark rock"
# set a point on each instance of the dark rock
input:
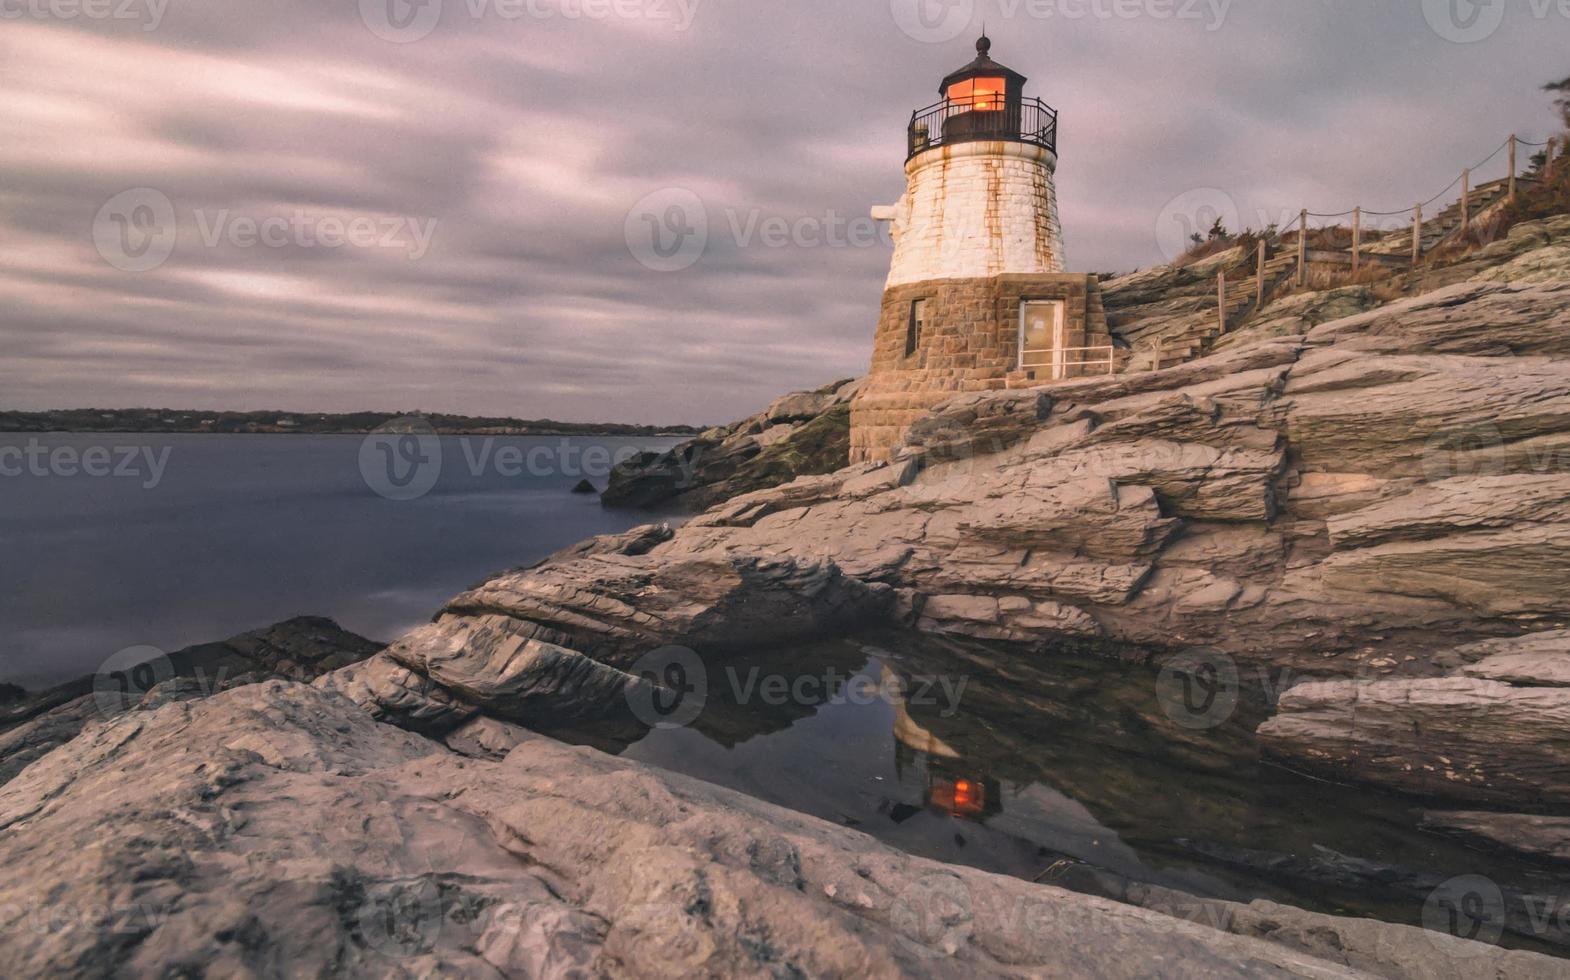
(584, 486)
(1533, 835)
(1453, 738)
(300, 649)
(802, 434)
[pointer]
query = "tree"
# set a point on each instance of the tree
(1562, 90)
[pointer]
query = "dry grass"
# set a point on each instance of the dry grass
(1383, 280)
(1203, 250)
(1247, 241)
(1535, 200)
(1538, 199)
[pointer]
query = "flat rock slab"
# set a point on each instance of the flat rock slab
(1458, 738)
(1524, 833)
(277, 831)
(1537, 659)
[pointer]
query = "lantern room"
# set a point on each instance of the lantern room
(983, 101)
(983, 85)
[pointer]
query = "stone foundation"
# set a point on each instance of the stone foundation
(970, 342)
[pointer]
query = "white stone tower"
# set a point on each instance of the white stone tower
(976, 297)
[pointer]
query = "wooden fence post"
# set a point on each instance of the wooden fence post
(1259, 297)
(1466, 200)
(1357, 239)
(1302, 248)
(1512, 167)
(1417, 234)
(1221, 298)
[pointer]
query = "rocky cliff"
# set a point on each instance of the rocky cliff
(1373, 510)
(299, 649)
(800, 434)
(1361, 500)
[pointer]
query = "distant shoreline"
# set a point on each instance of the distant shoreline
(189, 422)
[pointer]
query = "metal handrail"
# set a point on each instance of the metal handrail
(1110, 362)
(983, 117)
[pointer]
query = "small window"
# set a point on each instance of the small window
(978, 94)
(918, 320)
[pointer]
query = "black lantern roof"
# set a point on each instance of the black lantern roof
(973, 113)
(984, 67)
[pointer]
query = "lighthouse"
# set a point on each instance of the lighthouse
(977, 298)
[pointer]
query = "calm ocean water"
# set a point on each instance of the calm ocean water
(116, 540)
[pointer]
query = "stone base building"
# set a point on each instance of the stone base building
(968, 338)
(977, 298)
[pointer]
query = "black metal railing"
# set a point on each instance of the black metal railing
(986, 117)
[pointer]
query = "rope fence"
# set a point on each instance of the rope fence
(1490, 193)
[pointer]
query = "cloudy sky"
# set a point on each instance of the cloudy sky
(329, 205)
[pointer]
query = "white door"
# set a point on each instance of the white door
(1041, 339)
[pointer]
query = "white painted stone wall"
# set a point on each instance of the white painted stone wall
(976, 209)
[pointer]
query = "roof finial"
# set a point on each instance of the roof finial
(983, 44)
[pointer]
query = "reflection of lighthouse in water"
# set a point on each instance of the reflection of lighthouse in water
(949, 786)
